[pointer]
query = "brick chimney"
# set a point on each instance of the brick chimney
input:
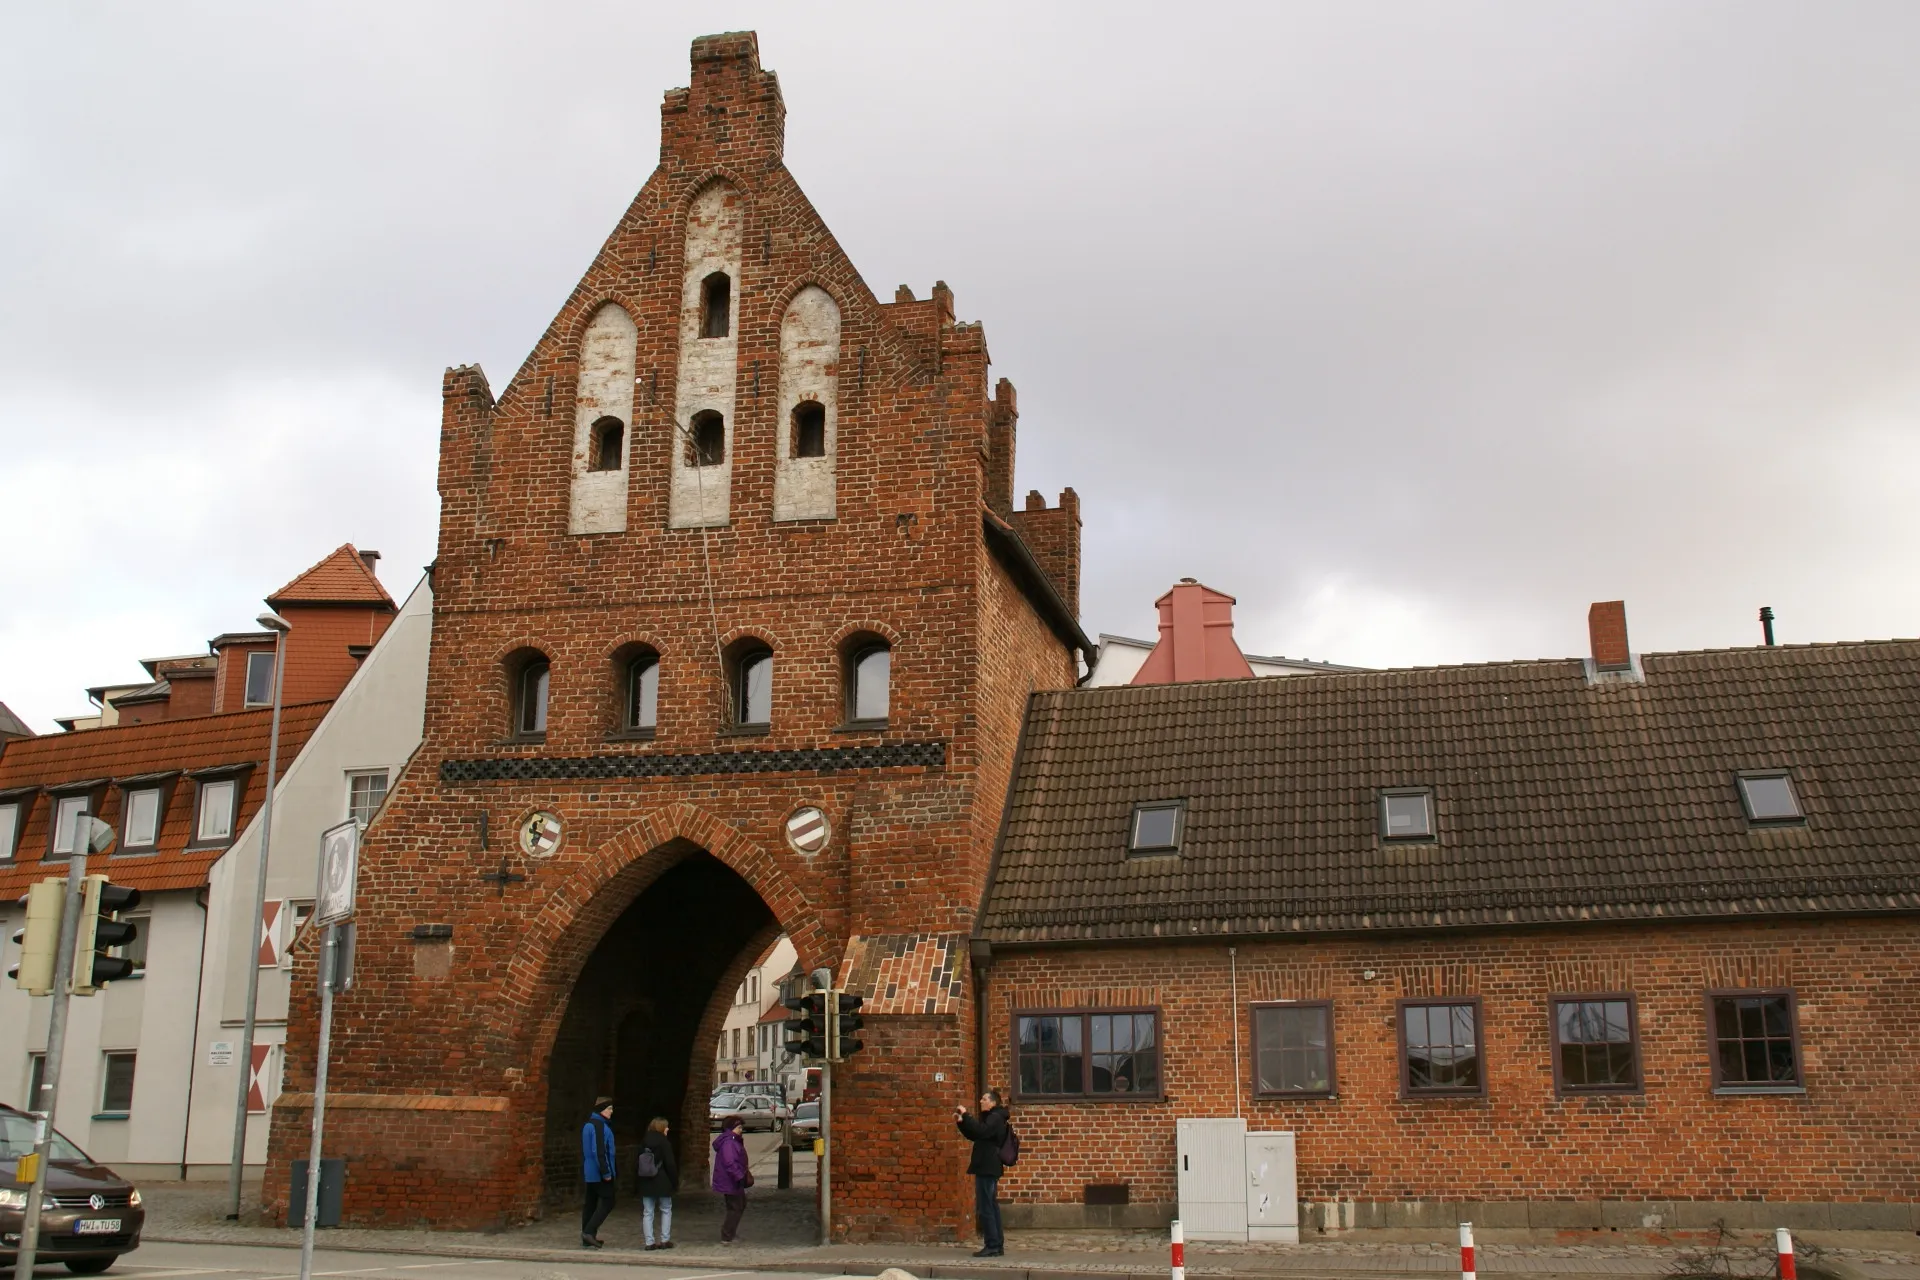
(1196, 638)
(1607, 631)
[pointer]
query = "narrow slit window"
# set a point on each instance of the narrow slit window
(707, 443)
(867, 687)
(609, 444)
(753, 689)
(531, 715)
(643, 692)
(809, 430)
(716, 302)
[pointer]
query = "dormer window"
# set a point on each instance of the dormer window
(1157, 828)
(259, 679)
(609, 445)
(707, 439)
(809, 430)
(716, 299)
(1406, 813)
(213, 822)
(11, 813)
(1769, 799)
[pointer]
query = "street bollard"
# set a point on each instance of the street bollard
(1466, 1251)
(1783, 1245)
(1179, 1252)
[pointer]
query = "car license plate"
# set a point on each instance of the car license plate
(97, 1227)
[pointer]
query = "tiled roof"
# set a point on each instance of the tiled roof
(341, 578)
(1556, 800)
(124, 752)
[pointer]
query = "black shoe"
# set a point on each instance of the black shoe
(666, 1244)
(989, 1253)
(652, 1247)
(589, 1242)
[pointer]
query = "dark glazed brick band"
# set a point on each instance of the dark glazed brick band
(902, 755)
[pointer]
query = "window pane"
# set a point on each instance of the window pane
(66, 816)
(9, 828)
(1773, 1016)
(1154, 828)
(870, 676)
(259, 679)
(1442, 1049)
(756, 689)
(533, 698)
(1292, 1049)
(136, 950)
(1770, 799)
(643, 706)
(365, 791)
(143, 818)
(216, 810)
(117, 1095)
(1049, 1075)
(1102, 1030)
(1408, 816)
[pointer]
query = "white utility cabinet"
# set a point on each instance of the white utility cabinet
(1213, 1178)
(1273, 1188)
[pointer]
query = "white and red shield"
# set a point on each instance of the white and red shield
(257, 1080)
(807, 830)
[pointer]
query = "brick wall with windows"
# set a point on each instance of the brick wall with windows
(1796, 1099)
(913, 810)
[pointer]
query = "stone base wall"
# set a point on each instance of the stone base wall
(1651, 1216)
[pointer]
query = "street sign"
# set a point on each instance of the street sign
(339, 873)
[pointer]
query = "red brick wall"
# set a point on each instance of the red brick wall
(1850, 1137)
(903, 557)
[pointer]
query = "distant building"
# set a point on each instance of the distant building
(749, 1044)
(1196, 643)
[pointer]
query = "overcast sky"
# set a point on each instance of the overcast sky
(1415, 327)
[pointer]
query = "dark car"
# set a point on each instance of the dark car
(91, 1215)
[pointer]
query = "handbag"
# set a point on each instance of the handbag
(746, 1179)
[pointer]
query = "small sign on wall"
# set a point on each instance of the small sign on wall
(220, 1053)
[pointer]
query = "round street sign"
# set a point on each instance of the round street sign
(539, 834)
(807, 830)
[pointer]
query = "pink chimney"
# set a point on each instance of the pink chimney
(1196, 638)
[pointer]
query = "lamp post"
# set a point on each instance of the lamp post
(278, 625)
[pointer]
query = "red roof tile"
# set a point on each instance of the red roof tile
(341, 578)
(179, 748)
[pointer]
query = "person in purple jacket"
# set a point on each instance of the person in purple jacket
(730, 1176)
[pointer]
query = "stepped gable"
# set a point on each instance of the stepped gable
(1557, 799)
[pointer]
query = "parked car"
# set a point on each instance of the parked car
(760, 1113)
(750, 1088)
(805, 1126)
(91, 1215)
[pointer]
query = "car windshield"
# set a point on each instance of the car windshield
(726, 1102)
(807, 1111)
(16, 1140)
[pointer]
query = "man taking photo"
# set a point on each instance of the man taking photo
(988, 1133)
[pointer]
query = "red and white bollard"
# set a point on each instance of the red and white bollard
(1466, 1251)
(1783, 1245)
(1179, 1252)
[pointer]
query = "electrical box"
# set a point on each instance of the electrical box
(1273, 1188)
(1212, 1178)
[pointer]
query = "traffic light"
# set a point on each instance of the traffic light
(805, 1030)
(40, 941)
(843, 1028)
(99, 931)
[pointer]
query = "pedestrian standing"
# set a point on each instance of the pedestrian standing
(988, 1133)
(597, 1169)
(731, 1177)
(659, 1179)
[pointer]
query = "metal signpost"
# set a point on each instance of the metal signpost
(89, 835)
(332, 908)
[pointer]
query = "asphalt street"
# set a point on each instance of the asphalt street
(160, 1261)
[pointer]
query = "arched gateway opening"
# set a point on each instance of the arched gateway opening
(643, 1016)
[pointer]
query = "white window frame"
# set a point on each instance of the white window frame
(208, 788)
(246, 688)
(129, 839)
(142, 939)
(106, 1057)
(386, 783)
(10, 813)
(66, 828)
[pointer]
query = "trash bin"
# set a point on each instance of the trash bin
(333, 1181)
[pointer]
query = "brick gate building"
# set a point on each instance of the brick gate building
(734, 627)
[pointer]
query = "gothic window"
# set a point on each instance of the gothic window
(609, 441)
(707, 446)
(752, 685)
(643, 692)
(530, 697)
(716, 296)
(869, 673)
(809, 430)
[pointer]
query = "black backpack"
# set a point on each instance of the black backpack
(1010, 1148)
(648, 1165)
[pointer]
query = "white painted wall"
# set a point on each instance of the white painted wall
(1121, 658)
(375, 724)
(708, 366)
(605, 389)
(746, 1012)
(803, 488)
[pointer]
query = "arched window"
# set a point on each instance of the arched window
(609, 445)
(643, 692)
(530, 697)
(716, 296)
(869, 674)
(809, 430)
(752, 685)
(707, 446)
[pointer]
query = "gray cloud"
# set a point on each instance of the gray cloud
(1415, 327)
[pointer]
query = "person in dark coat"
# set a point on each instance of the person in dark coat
(656, 1191)
(987, 1132)
(730, 1176)
(597, 1169)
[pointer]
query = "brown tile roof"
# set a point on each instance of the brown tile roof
(1555, 800)
(125, 752)
(341, 578)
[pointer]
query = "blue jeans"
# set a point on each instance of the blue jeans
(648, 1206)
(986, 1209)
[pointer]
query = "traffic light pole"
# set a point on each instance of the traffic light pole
(56, 1051)
(826, 1152)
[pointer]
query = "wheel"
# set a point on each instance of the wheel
(89, 1266)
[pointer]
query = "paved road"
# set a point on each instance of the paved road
(159, 1261)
